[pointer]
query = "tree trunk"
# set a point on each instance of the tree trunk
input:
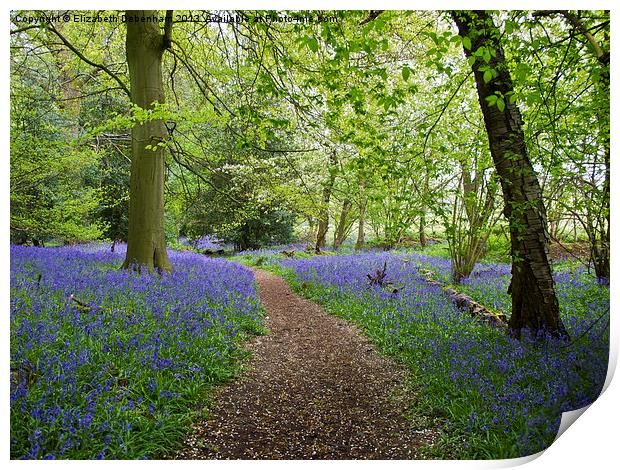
(534, 302)
(422, 226)
(71, 89)
(321, 233)
(359, 243)
(424, 197)
(601, 260)
(471, 234)
(311, 223)
(341, 228)
(602, 247)
(606, 240)
(146, 243)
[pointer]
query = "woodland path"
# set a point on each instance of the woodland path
(315, 388)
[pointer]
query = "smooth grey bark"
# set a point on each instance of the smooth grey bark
(146, 243)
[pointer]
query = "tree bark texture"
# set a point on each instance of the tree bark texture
(534, 301)
(602, 256)
(146, 244)
(359, 243)
(321, 233)
(342, 227)
(422, 224)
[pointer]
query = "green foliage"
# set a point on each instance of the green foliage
(497, 247)
(65, 187)
(50, 194)
(262, 228)
(256, 110)
(388, 95)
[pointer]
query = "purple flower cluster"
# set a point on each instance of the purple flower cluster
(486, 382)
(103, 359)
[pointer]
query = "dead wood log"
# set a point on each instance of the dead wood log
(466, 303)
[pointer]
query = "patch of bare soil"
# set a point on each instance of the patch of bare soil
(315, 389)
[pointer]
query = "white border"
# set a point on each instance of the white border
(591, 443)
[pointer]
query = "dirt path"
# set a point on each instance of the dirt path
(315, 389)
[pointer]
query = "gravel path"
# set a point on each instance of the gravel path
(315, 388)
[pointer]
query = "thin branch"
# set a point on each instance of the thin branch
(602, 56)
(443, 110)
(176, 158)
(25, 28)
(371, 16)
(88, 61)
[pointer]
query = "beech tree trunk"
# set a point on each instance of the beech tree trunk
(146, 243)
(534, 301)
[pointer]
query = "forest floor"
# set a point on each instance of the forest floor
(315, 388)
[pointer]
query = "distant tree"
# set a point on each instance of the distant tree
(52, 196)
(593, 210)
(235, 211)
(359, 242)
(114, 192)
(266, 227)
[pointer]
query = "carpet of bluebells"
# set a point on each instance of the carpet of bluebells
(107, 363)
(501, 396)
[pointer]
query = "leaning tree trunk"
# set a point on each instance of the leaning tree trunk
(146, 243)
(321, 233)
(359, 243)
(534, 302)
(422, 225)
(341, 229)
